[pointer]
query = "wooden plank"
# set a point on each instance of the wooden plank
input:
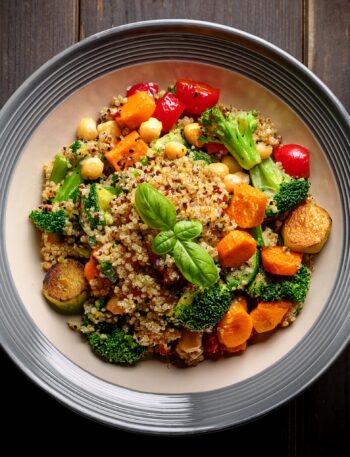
(30, 33)
(328, 44)
(279, 21)
(320, 418)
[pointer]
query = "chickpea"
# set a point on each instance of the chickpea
(91, 168)
(150, 130)
(235, 178)
(219, 168)
(86, 129)
(110, 128)
(232, 163)
(189, 341)
(192, 133)
(175, 150)
(264, 150)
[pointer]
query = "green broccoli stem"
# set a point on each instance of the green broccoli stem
(70, 184)
(257, 234)
(235, 132)
(59, 169)
(267, 176)
(239, 142)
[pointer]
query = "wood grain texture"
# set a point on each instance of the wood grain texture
(31, 32)
(328, 44)
(268, 19)
(320, 418)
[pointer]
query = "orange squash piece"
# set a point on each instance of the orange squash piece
(240, 347)
(247, 206)
(139, 108)
(267, 315)
(235, 248)
(127, 152)
(235, 328)
(90, 269)
(279, 260)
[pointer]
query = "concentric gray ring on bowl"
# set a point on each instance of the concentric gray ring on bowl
(281, 74)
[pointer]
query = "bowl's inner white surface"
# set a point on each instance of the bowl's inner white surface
(58, 129)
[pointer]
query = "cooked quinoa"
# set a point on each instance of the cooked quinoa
(134, 293)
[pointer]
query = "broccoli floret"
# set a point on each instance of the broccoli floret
(284, 192)
(69, 186)
(174, 135)
(95, 209)
(235, 132)
(48, 220)
(116, 347)
(269, 288)
(202, 308)
(240, 278)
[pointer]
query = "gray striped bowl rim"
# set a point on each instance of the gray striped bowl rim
(234, 50)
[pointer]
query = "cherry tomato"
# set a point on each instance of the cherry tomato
(295, 160)
(196, 96)
(168, 110)
(151, 88)
(215, 148)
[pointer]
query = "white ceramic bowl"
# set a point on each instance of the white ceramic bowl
(252, 74)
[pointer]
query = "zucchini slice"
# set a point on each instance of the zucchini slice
(65, 287)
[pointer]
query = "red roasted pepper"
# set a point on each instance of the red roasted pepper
(168, 110)
(295, 160)
(151, 88)
(196, 96)
(212, 347)
(215, 148)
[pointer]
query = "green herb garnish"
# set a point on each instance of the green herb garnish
(192, 260)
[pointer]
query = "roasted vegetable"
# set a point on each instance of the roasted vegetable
(234, 132)
(268, 315)
(47, 220)
(69, 186)
(173, 136)
(127, 152)
(59, 168)
(138, 108)
(266, 287)
(307, 228)
(95, 209)
(279, 260)
(283, 191)
(116, 346)
(239, 278)
(247, 206)
(199, 309)
(236, 248)
(235, 328)
(65, 287)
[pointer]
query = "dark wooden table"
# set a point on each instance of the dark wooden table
(317, 32)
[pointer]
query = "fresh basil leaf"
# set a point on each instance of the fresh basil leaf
(187, 230)
(164, 242)
(154, 209)
(195, 263)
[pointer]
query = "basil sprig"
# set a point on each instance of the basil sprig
(164, 242)
(154, 209)
(192, 259)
